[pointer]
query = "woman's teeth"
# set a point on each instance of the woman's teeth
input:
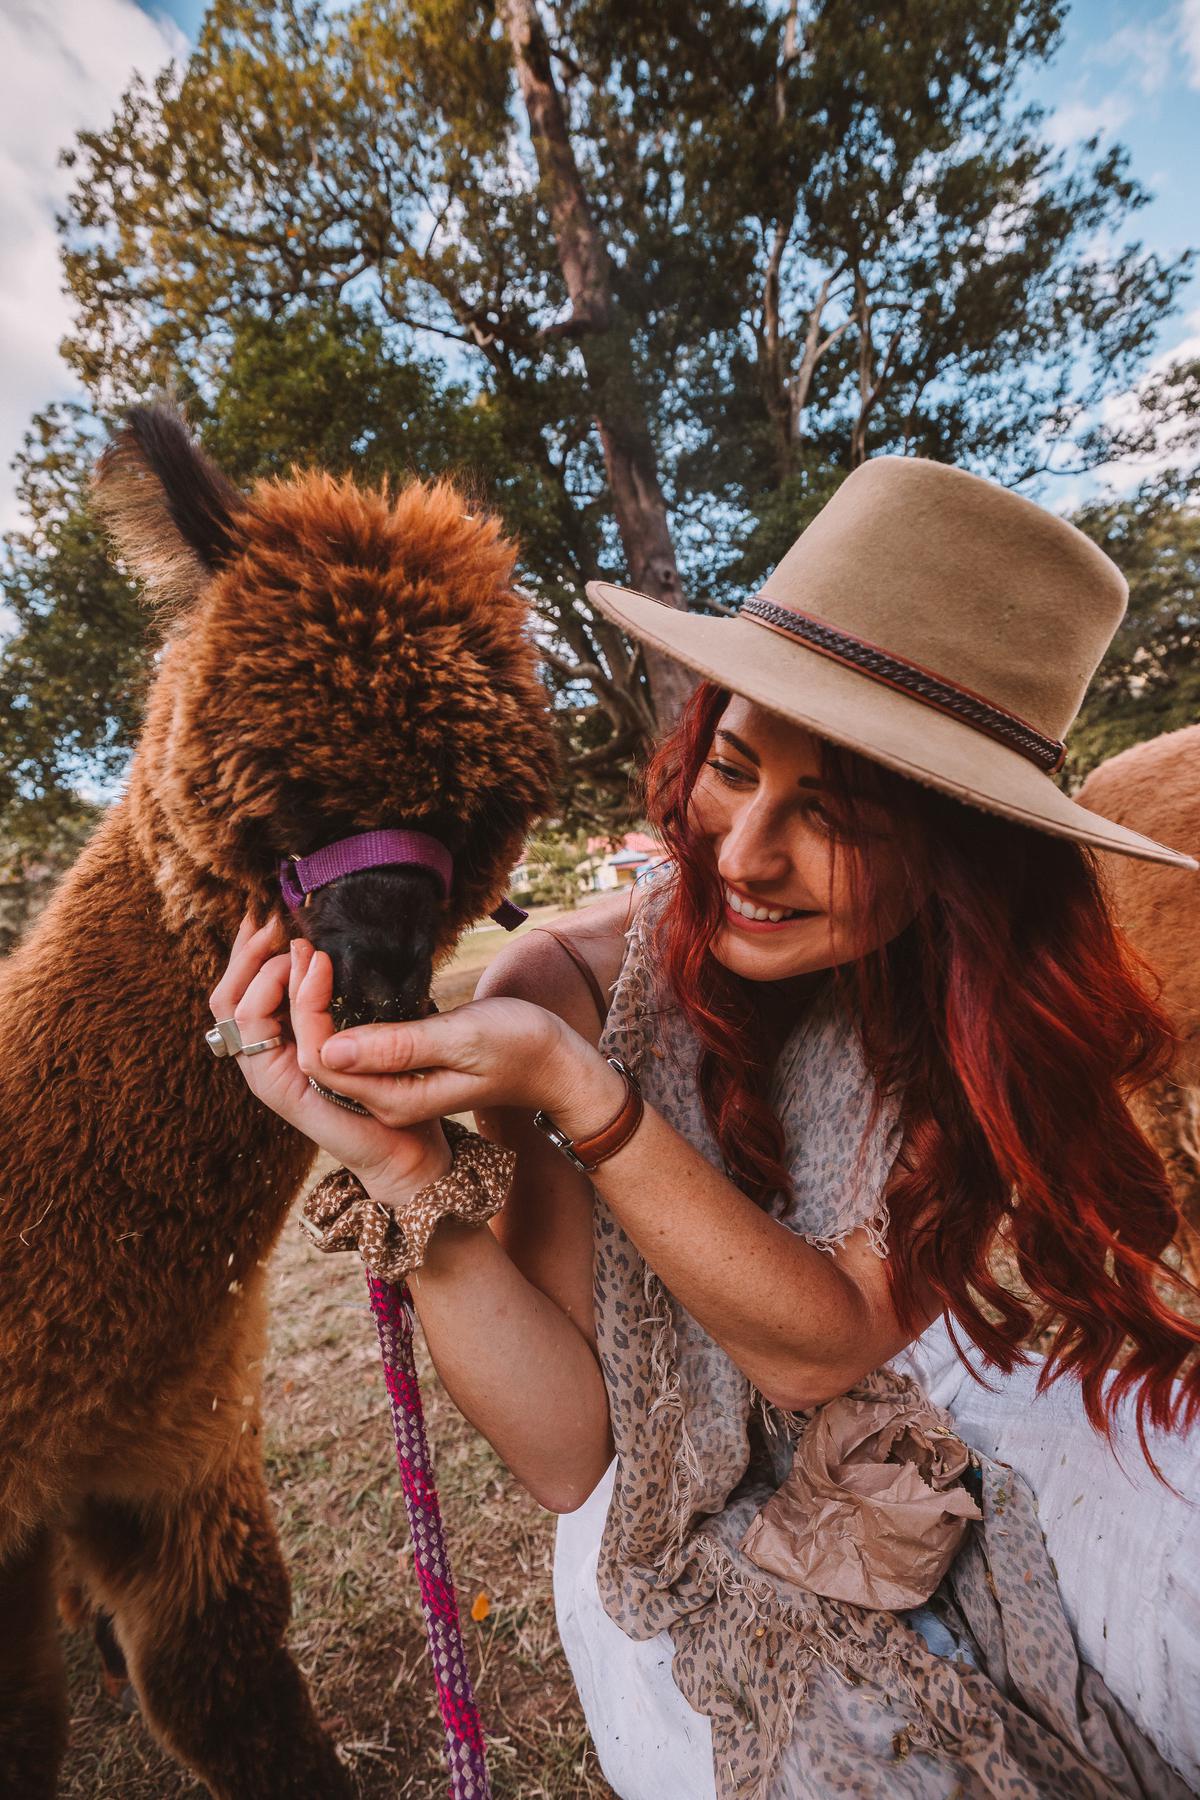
(749, 911)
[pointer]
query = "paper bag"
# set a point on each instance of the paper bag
(873, 1511)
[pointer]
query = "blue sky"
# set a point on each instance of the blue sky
(1130, 68)
(1133, 72)
(187, 14)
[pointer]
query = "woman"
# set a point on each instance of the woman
(883, 1039)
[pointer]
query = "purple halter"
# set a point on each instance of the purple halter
(300, 876)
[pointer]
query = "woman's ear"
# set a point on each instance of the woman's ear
(169, 509)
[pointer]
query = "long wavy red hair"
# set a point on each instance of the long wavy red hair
(1012, 1020)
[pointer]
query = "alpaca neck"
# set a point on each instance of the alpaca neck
(105, 1005)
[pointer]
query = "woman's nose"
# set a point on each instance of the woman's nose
(754, 852)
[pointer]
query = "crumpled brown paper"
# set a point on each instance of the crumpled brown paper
(872, 1511)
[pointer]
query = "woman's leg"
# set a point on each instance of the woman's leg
(1123, 1546)
(650, 1743)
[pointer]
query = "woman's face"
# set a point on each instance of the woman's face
(759, 801)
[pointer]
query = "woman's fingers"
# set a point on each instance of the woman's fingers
(403, 1100)
(251, 947)
(260, 1011)
(426, 1069)
(310, 988)
(488, 1053)
(493, 1052)
(311, 992)
(258, 987)
(445, 1040)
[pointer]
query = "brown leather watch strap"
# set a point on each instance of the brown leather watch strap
(587, 1153)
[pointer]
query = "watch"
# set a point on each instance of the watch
(586, 1153)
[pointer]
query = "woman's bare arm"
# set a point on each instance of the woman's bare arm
(753, 1284)
(546, 1226)
(514, 1364)
(804, 1325)
(507, 1314)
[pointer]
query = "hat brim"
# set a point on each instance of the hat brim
(879, 722)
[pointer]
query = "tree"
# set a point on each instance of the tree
(669, 274)
(321, 386)
(1150, 680)
(793, 237)
(72, 671)
(552, 859)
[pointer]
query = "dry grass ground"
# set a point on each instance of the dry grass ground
(357, 1629)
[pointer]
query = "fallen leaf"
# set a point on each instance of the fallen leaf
(481, 1608)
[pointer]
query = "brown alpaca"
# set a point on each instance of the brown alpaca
(1155, 788)
(334, 660)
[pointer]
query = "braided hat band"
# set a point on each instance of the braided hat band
(1045, 753)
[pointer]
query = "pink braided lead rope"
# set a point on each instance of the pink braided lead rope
(391, 1304)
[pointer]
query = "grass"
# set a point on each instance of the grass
(357, 1629)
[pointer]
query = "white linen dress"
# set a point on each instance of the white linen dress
(1125, 1548)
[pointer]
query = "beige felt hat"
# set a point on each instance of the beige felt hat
(932, 621)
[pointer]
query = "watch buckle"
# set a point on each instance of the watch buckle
(559, 1139)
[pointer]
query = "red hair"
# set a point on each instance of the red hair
(1011, 1020)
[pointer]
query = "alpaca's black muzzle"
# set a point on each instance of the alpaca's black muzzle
(379, 928)
(372, 902)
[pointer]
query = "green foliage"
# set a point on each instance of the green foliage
(73, 666)
(1150, 680)
(552, 859)
(314, 387)
(44, 844)
(874, 180)
(326, 387)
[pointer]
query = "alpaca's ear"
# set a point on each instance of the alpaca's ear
(168, 507)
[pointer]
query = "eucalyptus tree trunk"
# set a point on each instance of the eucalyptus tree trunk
(605, 340)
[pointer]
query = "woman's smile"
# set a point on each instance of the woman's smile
(746, 913)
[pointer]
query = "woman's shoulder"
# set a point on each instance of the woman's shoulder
(542, 963)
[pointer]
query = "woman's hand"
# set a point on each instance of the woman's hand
(261, 980)
(489, 1053)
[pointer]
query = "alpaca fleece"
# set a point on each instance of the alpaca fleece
(1155, 787)
(333, 660)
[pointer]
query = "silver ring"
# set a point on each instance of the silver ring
(224, 1039)
(271, 1043)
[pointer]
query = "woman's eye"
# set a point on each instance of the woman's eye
(727, 772)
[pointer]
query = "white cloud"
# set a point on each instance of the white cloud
(1076, 120)
(1126, 410)
(1144, 52)
(1189, 38)
(63, 66)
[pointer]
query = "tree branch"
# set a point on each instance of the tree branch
(582, 254)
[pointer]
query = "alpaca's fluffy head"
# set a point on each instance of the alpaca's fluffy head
(336, 659)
